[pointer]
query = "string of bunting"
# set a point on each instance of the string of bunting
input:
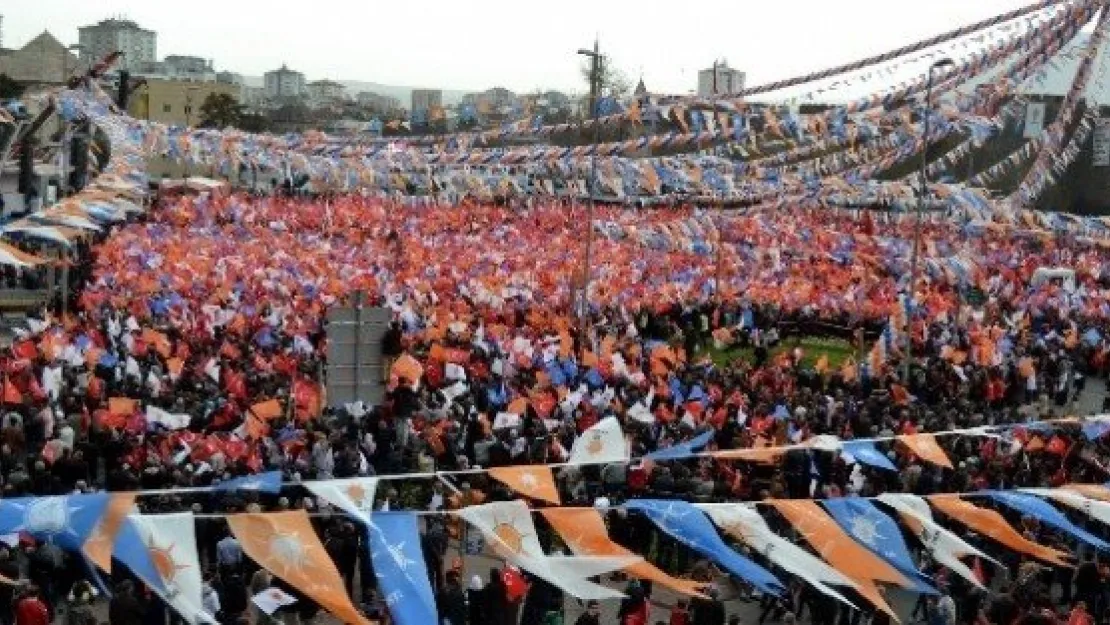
(1052, 141)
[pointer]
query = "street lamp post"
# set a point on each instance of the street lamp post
(595, 92)
(910, 290)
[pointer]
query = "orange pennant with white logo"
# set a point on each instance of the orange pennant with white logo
(841, 551)
(530, 481)
(285, 544)
(992, 524)
(583, 531)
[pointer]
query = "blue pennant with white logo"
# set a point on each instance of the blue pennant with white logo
(394, 541)
(682, 450)
(1046, 513)
(879, 533)
(691, 527)
(65, 521)
(269, 482)
(864, 452)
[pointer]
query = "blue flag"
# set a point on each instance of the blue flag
(864, 452)
(394, 541)
(65, 521)
(690, 526)
(1044, 512)
(879, 533)
(1095, 430)
(269, 482)
(130, 549)
(682, 450)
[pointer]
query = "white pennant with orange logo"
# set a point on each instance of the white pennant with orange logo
(508, 527)
(601, 444)
(171, 541)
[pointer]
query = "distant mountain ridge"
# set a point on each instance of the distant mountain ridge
(404, 94)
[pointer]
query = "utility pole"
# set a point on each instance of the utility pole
(719, 273)
(595, 93)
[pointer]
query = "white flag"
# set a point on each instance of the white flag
(602, 443)
(168, 420)
(1098, 510)
(944, 546)
(745, 523)
(355, 496)
(172, 544)
(508, 527)
(271, 599)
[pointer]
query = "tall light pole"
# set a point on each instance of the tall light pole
(911, 288)
(595, 92)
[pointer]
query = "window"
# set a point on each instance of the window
(188, 110)
(166, 108)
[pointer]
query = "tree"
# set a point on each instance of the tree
(253, 122)
(220, 110)
(612, 81)
(9, 88)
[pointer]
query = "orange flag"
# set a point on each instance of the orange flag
(583, 531)
(533, 481)
(407, 367)
(98, 546)
(266, 410)
(841, 551)
(990, 523)
(925, 446)
(518, 406)
(122, 406)
(159, 341)
(285, 544)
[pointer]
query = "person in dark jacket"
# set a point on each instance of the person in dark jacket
(452, 601)
(125, 608)
(476, 599)
(708, 611)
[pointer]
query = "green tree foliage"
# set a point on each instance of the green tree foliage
(220, 110)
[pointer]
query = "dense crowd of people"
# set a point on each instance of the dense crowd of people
(210, 307)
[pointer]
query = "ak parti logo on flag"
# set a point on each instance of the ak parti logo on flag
(285, 544)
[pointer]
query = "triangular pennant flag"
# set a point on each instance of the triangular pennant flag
(944, 546)
(268, 482)
(508, 527)
(878, 533)
(101, 541)
(65, 520)
(355, 496)
(583, 531)
(745, 523)
(691, 527)
(925, 446)
(991, 524)
(285, 544)
(843, 553)
(394, 543)
(171, 544)
(532, 481)
(602, 443)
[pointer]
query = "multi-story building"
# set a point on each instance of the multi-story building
(426, 99)
(728, 81)
(321, 91)
(179, 67)
(284, 83)
(229, 78)
(176, 102)
(377, 102)
(42, 61)
(139, 45)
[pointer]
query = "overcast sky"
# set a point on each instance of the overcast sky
(476, 44)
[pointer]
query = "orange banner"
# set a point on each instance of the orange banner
(991, 523)
(98, 546)
(583, 531)
(925, 446)
(841, 551)
(285, 544)
(534, 482)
